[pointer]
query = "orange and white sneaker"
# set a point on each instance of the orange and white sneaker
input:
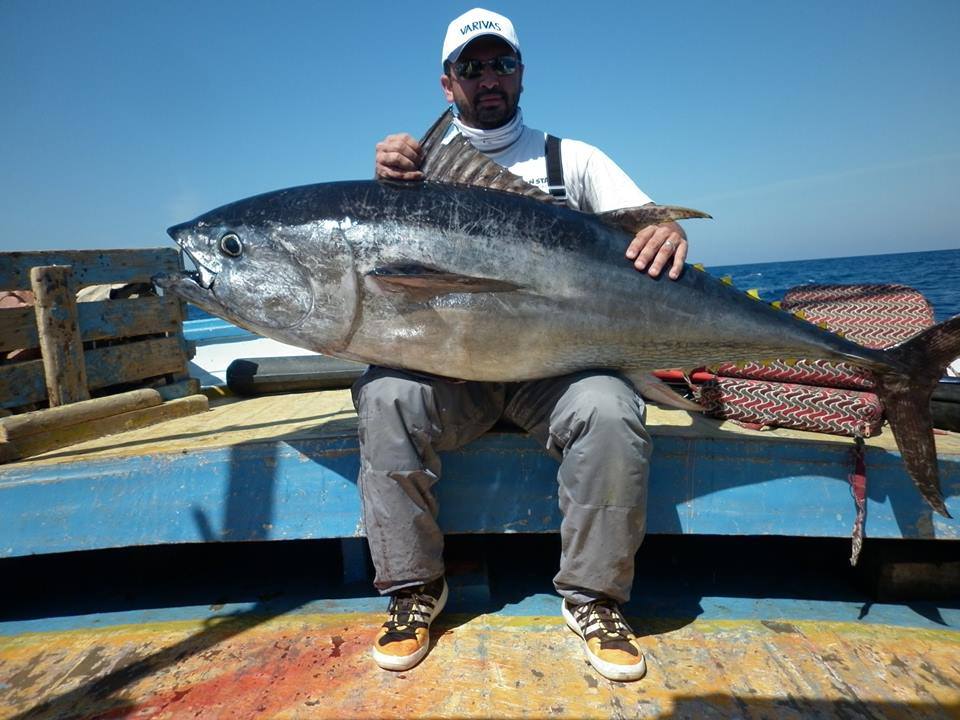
(609, 643)
(404, 639)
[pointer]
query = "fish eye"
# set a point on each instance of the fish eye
(231, 246)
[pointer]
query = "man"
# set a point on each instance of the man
(591, 421)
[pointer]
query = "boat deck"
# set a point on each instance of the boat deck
(754, 630)
(284, 467)
(233, 420)
(318, 666)
(721, 640)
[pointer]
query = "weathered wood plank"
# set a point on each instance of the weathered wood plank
(59, 334)
(8, 452)
(18, 328)
(58, 437)
(129, 362)
(40, 421)
(106, 320)
(22, 383)
(174, 391)
(115, 319)
(91, 267)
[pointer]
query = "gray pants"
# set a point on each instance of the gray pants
(592, 422)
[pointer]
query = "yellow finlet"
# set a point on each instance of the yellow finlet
(776, 305)
(800, 315)
(726, 280)
(754, 293)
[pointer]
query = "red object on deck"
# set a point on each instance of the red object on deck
(810, 394)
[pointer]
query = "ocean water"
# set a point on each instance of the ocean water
(935, 274)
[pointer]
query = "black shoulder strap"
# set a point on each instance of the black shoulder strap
(555, 185)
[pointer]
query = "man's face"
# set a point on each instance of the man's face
(490, 100)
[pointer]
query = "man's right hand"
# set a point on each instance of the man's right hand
(398, 158)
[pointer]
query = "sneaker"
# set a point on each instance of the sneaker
(404, 639)
(609, 643)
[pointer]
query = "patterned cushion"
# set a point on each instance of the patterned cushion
(837, 411)
(877, 316)
(813, 394)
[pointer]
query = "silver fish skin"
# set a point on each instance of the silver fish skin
(480, 284)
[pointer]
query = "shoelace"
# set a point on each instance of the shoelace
(408, 611)
(602, 619)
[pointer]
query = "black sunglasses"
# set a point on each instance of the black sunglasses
(472, 69)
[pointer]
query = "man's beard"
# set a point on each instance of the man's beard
(489, 118)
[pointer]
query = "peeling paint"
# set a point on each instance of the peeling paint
(319, 666)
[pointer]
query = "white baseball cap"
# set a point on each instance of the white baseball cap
(473, 24)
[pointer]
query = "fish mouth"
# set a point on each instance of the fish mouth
(189, 284)
(203, 276)
(199, 281)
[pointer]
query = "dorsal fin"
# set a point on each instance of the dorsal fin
(459, 163)
(633, 219)
(434, 136)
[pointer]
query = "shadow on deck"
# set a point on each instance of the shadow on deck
(263, 629)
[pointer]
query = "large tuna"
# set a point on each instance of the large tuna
(465, 281)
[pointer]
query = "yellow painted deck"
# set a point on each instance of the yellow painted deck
(487, 666)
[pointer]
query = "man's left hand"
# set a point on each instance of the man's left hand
(657, 245)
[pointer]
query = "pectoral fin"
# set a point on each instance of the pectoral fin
(634, 219)
(419, 283)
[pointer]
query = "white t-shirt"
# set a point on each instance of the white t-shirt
(593, 181)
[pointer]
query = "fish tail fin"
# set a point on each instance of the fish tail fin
(905, 390)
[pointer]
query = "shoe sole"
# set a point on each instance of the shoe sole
(611, 671)
(405, 662)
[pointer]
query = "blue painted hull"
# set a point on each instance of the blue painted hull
(305, 487)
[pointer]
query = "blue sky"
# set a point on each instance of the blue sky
(807, 129)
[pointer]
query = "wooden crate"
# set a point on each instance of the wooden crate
(95, 347)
